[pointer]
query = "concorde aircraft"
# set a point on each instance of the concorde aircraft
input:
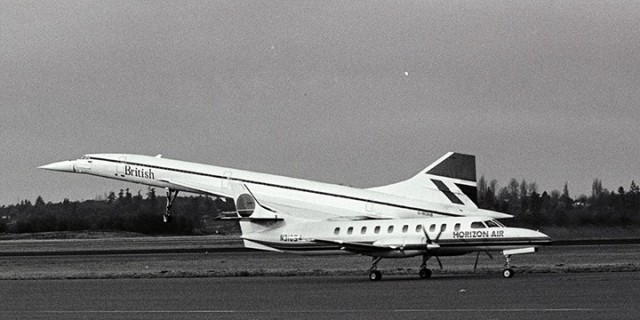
(431, 214)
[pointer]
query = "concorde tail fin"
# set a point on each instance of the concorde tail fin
(449, 180)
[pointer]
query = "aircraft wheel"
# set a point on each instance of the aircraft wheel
(425, 273)
(375, 275)
(507, 273)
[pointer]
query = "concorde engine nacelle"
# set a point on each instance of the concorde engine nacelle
(245, 205)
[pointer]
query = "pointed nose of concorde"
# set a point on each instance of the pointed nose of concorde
(62, 166)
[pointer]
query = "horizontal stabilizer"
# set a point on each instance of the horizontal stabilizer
(257, 246)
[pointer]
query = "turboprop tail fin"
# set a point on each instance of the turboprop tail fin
(450, 180)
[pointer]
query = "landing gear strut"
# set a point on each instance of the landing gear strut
(507, 272)
(374, 274)
(171, 195)
(425, 273)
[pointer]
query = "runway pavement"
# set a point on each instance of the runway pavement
(176, 244)
(583, 258)
(181, 284)
(480, 296)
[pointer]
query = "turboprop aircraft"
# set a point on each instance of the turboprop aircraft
(431, 214)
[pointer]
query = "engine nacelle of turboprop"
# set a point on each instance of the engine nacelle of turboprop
(399, 244)
(245, 205)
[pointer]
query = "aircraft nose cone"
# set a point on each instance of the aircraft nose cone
(63, 166)
(544, 238)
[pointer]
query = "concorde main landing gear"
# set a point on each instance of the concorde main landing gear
(171, 195)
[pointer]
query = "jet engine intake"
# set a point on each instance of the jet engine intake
(245, 205)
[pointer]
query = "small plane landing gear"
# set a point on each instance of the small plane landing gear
(507, 272)
(171, 195)
(374, 274)
(425, 273)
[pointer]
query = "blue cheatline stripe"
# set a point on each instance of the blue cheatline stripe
(276, 186)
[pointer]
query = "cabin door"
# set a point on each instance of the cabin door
(120, 166)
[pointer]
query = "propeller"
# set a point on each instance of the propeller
(432, 244)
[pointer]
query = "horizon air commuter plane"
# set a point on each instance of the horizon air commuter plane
(431, 214)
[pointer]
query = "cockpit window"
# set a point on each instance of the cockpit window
(492, 224)
(477, 225)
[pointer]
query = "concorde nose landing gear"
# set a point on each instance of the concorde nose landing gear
(507, 272)
(171, 195)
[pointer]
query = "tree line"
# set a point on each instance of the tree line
(196, 214)
(533, 209)
(123, 211)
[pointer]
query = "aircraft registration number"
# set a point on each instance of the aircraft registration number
(290, 237)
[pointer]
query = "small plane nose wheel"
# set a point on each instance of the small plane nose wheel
(507, 272)
(375, 275)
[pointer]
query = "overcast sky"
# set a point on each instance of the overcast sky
(362, 93)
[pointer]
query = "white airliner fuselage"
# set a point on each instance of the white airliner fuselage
(401, 237)
(331, 199)
(430, 214)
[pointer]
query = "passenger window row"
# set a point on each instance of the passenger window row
(418, 228)
(391, 228)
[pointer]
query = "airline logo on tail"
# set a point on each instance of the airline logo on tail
(457, 166)
(449, 180)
